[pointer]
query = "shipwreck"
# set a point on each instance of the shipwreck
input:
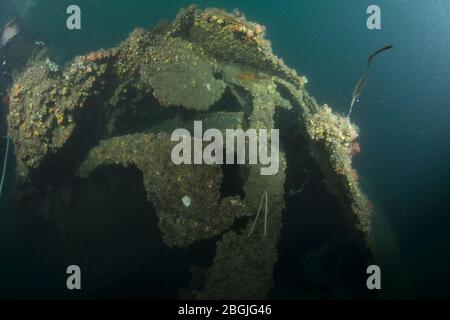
(92, 146)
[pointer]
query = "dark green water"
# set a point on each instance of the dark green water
(404, 111)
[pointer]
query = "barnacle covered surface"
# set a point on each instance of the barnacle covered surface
(117, 107)
(46, 108)
(196, 88)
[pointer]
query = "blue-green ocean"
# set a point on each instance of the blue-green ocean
(403, 112)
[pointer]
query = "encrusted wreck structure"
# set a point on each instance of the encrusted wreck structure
(118, 107)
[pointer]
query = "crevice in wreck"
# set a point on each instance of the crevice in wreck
(245, 99)
(146, 114)
(228, 103)
(329, 255)
(286, 94)
(232, 182)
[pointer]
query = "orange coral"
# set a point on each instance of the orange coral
(240, 28)
(259, 29)
(97, 56)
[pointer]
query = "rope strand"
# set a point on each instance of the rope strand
(4, 165)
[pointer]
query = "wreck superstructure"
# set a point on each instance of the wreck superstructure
(118, 107)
